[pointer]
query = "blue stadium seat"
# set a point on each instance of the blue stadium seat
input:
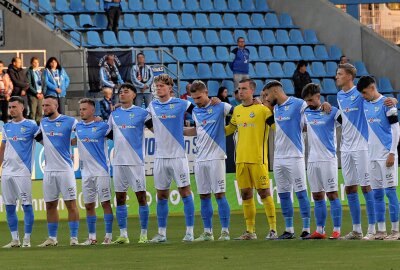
(332, 99)
(265, 54)
(62, 6)
(286, 21)
(206, 5)
(322, 99)
(124, 38)
(230, 20)
(212, 37)
(202, 20)
(279, 53)
(135, 5)
(189, 71)
(183, 37)
(252, 72)
(192, 5)
(220, 5)
(229, 85)
(310, 36)
(289, 68)
(318, 69)
(282, 37)
(259, 87)
(163, 5)
(321, 53)
(296, 36)
(109, 38)
(216, 20)
(85, 21)
(198, 37)
(180, 53)
(361, 69)
(389, 95)
(204, 72)
(193, 54)
(356, 80)
(212, 87)
(76, 5)
(253, 53)
(240, 33)
(261, 70)
(261, 5)
(172, 68)
(258, 20)
(130, 21)
(317, 81)
(329, 87)
(207, 54)
(384, 85)
(45, 6)
(248, 5)
(187, 20)
(139, 38)
(331, 68)
(182, 87)
(28, 5)
(288, 86)
(309, 70)
(75, 38)
(228, 70)
(226, 37)
(173, 20)
(218, 71)
(234, 5)
(154, 37)
(123, 3)
(335, 52)
(93, 39)
(307, 53)
(255, 37)
(150, 5)
(91, 5)
(271, 20)
(151, 57)
(69, 22)
(293, 53)
(100, 20)
(275, 70)
(159, 21)
(243, 20)
(178, 5)
(145, 21)
(222, 54)
(269, 37)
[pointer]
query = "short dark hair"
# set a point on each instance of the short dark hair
(310, 89)
(364, 82)
(273, 83)
(236, 91)
(17, 99)
(240, 38)
(14, 59)
(140, 53)
(198, 86)
(51, 97)
(128, 86)
(300, 64)
(342, 56)
(33, 59)
(251, 82)
(88, 101)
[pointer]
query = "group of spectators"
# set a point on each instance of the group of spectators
(32, 85)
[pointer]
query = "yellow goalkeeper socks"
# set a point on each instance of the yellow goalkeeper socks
(249, 211)
(269, 207)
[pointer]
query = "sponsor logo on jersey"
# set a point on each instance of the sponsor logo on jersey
(124, 126)
(374, 120)
(283, 118)
(166, 116)
(53, 134)
(246, 125)
(16, 138)
(316, 122)
(88, 140)
(205, 122)
(347, 110)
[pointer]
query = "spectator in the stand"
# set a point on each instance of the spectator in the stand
(56, 82)
(20, 83)
(236, 101)
(110, 76)
(113, 11)
(142, 78)
(5, 92)
(223, 94)
(106, 104)
(35, 93)
(343, 59)
(240, 64)
(300, 78)
(187, 94)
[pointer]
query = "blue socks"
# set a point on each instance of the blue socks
(206, 212)
(108, 221)
(336, 213)
(52, 228)
(393, 204)
(29, 218)
(380, 205)
(91, 223)
(224, 212)
(144, 216)
(12, 218)
(355, 210)
(73, 228)
(188, 208)
(369, 201)
(320, 213)
(287, 209)
(305, 210)
(122, 215)
(162, 213)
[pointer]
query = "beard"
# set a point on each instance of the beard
(273, 102)
(50, 114)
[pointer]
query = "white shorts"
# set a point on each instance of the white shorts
(382, 176)
(168, 169)
(16, 187)
(290, 174)
(126, 176)
(323, 176)
(210, 176)
(96, 186)
(56, 182)
(355, 168)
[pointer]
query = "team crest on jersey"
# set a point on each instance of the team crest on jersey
(171, 106)
(353, 98)
(252, 114)
(94, 129)
(286, 108)
(377, 109)
(131, 115)
(209, 111)
(58, 124)
(23, 129)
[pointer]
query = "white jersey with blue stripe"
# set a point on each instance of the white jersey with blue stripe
(210, 127)
(354, 124)
(168, 119)
(289, 121)
(380, 132)
(92, 146)
(128, 132)
(321, 131)
(19, 138)
(57, 142)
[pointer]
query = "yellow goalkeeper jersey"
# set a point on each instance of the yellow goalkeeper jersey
(252, 123)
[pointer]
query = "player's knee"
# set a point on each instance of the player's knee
(366, 189)
(264, 193)
(318, 196)
(351, 189)
(185, 191)
(219, 195)
(120, 197)
(51, 206)
(332, 195)
(141, 197)
(247, 193)
(89, 206)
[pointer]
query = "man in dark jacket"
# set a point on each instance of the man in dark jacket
(300, 78)
(240, 64)
(19, 80)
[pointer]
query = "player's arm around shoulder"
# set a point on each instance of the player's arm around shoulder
(231, 127)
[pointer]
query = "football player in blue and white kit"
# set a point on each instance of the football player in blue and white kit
(59, 176)
(210, 169)
(384, 132)
(128, 123)
(16, 155)
(170, 161)
(95, 168)
(322, 167)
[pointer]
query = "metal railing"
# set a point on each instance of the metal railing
(22, 54)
